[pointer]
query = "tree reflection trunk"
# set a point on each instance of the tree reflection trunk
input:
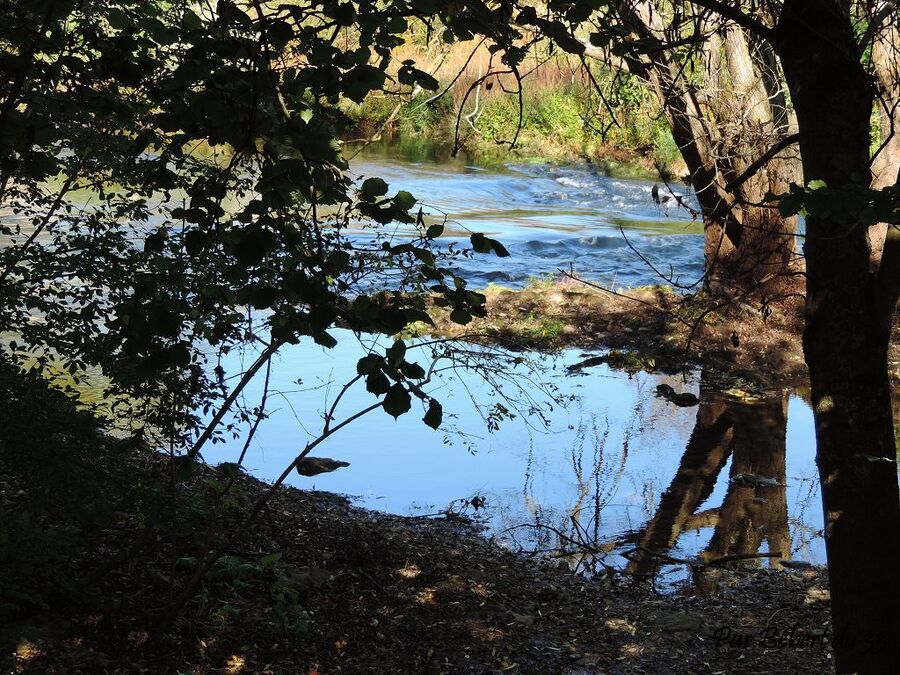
(753, 433)
(753, 513)
(704, 457)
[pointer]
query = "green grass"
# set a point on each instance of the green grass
(542, 328)
(560, 122)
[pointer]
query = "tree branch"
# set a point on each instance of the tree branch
(875, 24)
(743, 20)
(761, 162)
(262, 360)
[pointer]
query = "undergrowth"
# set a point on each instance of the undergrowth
(83, 515)
(562, 117)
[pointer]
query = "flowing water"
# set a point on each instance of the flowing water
(592, 458)
(552, 218)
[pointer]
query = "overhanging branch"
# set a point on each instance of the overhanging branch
(743, 20)
(875, 24)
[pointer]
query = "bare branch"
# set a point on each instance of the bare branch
(875, 24)
(767, 156)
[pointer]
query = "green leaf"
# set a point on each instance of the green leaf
(368, 364)
(397, 25)
(413, 371)
(270, 559)
(156, 241)
(435, 414)
(425, 256)
(117, 19)
(480, 243)
(791, 205)
(377, 382)
(434, 231)
(404, 200)
(397, 401)
(325, 340)
(395, 353)
(373, 187)
(182, 468)
(263, 298)
(344, 13)
(460, 316)
(483, 244)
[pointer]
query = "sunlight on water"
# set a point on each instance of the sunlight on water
(607, 458)
(615, 467)
(551, 218)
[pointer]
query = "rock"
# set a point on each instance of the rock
(684, 399)
(313, 466)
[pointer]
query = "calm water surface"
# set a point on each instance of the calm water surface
(606, 461)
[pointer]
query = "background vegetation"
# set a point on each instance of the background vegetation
(562, 116)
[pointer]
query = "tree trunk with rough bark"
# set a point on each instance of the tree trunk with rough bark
(846, 340)
(722, 127)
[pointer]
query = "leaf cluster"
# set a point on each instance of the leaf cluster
(175, 187)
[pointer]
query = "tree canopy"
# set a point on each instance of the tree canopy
(176, 187)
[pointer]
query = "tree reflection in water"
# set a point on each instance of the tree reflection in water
(749, 526)
(752, 432)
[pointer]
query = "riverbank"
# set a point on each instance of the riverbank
(318, 586)
(561, 117)
(649, 328)
(652, 328)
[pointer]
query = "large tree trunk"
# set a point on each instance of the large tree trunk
(722, 127)
(845, 341)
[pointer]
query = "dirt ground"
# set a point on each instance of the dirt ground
(407, 595)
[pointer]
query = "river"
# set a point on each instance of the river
(550, 218)
(591, 460)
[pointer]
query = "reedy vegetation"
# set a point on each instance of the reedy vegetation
(562, 115)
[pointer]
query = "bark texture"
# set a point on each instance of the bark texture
(886, 64)
(845, 341)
